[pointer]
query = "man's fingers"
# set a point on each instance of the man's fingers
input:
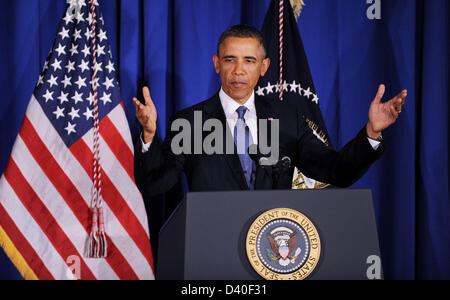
(380, 93)
(399, 100)
(398, 104)
(404, 94)
(147, 97)
(137, 104)
(394, 111)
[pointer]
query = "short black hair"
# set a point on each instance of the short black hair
(242, 31)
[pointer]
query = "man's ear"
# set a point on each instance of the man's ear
(265, 66)
(216, 63)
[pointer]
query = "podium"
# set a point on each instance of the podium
(209, 235)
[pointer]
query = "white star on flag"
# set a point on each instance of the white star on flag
(64, 33)
(98, 67)
(74, 49)
(66, 81)
(108, 83)
(293, 87)
(59, 112)
(74, 113)
(56, 65)
(102, 35)
(100, 51)
(70, 66)
(61, 50)
(80, 82)
(77, 97)
(63, 97)
(315, 99)
(40, 80)
(110, 67)
(307, 93)
(94, 83)
(68, 18)
(84, 66)
(76, 35)
(88, 34)
(88, 114)
(269, 88)
(106, 98)
(91, 99)
(260, 91)
(52, 80)
(86, 51)
(48, 96)
(285, 86)
(70, 128)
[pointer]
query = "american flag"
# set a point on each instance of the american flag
(46, 189)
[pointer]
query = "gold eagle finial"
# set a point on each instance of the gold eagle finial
(297, 6)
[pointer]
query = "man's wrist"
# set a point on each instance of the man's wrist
(147, 137)
(374, 135)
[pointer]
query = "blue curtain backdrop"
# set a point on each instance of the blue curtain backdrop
(169, 45)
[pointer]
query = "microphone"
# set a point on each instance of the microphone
(277, 168)
(285, 162)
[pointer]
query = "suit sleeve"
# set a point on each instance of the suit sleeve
(340, 168)
(159, 169)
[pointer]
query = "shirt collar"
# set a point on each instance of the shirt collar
(230, 106)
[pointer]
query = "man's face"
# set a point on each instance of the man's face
(240, 63)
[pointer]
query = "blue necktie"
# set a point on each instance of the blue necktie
(243, 139)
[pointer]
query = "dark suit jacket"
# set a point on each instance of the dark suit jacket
(160, 169)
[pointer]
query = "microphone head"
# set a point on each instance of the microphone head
(286, 162)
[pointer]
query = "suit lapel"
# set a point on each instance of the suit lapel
(214, 110)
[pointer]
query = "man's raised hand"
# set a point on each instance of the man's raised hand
(146, 115)
(383, 115)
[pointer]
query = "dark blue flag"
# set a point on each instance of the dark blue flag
(295, 84)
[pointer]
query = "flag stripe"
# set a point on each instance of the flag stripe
(117, 204)
(26, 250)
(117, 145)
(119, 119)
(43, 217)
(69, 192)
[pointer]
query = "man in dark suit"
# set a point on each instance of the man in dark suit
(240, 61)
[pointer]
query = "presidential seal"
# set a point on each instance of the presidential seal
(283, 244)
